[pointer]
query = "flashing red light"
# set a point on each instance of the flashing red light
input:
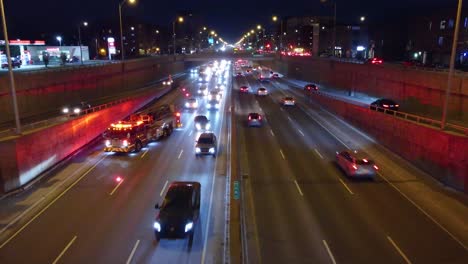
(268, 45)
(177, 114)
(118, 179)
(355, 167)
(187, 94)
(375, 167)
(183, 89)
(250, 118)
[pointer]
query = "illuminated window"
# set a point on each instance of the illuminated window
(442, 24)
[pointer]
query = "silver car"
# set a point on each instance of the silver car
(356, 164)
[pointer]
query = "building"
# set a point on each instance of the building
(430, 37)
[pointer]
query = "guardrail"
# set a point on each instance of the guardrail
(410, 117)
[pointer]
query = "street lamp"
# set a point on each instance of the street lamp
(334, 25)
(275, 18)
(10, 71)
(180, 20)
(59, 39)
(120, 19)
(259, 27)
(252, 31)
(79, 39)
(452, 65)
(362, 18)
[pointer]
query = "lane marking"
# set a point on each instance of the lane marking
(318, 153)
(346, 186)
(300, 131)
(129, 260)
(64, 250)
(424, 212)
(51, 203)
(298, 188)
(271, 132)
(164, 187)
(182, 151)
(399, 250)
(21, 215)
(332, 258)
(191, 131)
(289, 118)
(144, 153)
(115, 189)
(282, 154)
(282, 109)
(214, 181)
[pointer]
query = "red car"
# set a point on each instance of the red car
(375, 61)
(244, 89)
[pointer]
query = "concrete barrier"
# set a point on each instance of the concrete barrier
(25, 157)
(40, 92)
(440, 154)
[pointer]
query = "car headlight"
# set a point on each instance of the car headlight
(76, 110)
(195, 104)
(187, 105)
(207, 126)
(125, 143)
(157, 226)
(108, 143)
(197, 150)
(211, 150)
(198, 126)
(217, 105)
(199, 91)
(208, 105)
(200, 79)
(65, 110)
(188, 226)
(164, 83)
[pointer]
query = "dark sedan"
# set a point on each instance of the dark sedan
(384, 104)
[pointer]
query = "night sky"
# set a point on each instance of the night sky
(28, 18)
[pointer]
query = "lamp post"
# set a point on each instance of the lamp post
(120, 20)
(59, 39)
(180, 20)
(275, 18)
(79, 40)
(452, 65)
(10, 71)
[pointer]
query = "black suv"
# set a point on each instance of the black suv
(179, 212)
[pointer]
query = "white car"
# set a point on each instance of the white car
(191, 103)
(262, 91)
(355, 164)
(76, 109)
(288, 101)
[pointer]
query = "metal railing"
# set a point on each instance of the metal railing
(410, 117)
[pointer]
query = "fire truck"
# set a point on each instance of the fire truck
(133, 134)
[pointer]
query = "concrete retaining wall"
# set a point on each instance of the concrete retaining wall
(418, 91)
(47, 91)
(25, 157)
(442, 155)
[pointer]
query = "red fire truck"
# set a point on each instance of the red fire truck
(140, 129)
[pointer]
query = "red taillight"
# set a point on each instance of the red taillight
(375, 167)
(397, 105)
(118, 179)
(177, 114)
(355, 167)
(187, 94)
(250, 118)
(365, 160)
(183, 89)
(259, 117)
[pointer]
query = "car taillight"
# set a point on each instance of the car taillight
(375, 167)
(365, 160)
(259, 117)
(355, 167)
(397, 105)
(250, 118)
(385, 105)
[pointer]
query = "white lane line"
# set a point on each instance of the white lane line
(64, 250)
(298, 188)
(117, 186)
(289, 118)
(346, 186)
(302, 133)
(399, 250)
(318, 153)
(51, 203)
(162, 191)
(144, 154)
(282, 109)
(182, 151)
(282, 154)
(21, 215)
(129, 260)
(271, 132)
(191, 131)
(423, 211)
(332, 258)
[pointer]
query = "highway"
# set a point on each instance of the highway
(93, 218)
(300, 208)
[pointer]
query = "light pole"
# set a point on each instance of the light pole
(120, 20)
(452, 65)
(180, 20)
(10, 71)
(59, 39)
(79, 40)
(275, 18)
